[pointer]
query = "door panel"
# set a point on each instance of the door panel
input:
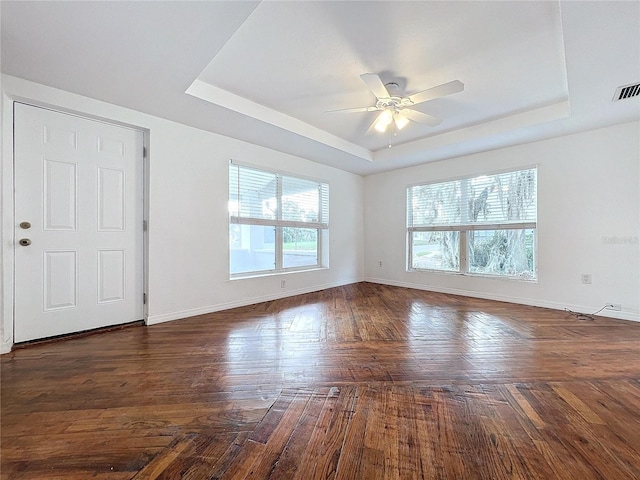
(79, 183)
(111, 275)
(59, 194)
(111, 200)
(60, 280)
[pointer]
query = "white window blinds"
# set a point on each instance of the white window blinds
(503, 200)
(261, 197)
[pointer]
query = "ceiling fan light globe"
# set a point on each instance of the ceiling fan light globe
(386, 116)
(384, 120)
(400, 120)
(380, 127)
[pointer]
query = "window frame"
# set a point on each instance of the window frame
(465, 228)
(321, 226)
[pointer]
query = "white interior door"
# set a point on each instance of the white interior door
(79, 223)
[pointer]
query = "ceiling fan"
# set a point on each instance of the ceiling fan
(395, 108)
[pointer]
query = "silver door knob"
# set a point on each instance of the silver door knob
(25, 225)
(25, 242)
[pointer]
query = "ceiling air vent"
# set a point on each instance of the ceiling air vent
(627, 91)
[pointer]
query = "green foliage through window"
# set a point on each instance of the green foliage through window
(483, 225)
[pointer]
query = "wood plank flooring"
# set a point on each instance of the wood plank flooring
(359, 382)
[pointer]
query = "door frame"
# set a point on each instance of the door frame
(7, 317)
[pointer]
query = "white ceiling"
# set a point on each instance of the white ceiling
(265, 72)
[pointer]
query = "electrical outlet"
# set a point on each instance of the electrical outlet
(380, 263)
(613, 306)
(586, 278)
(283, 283)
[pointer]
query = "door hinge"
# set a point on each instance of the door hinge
(144, 298)
(145, 225)
(144, 152)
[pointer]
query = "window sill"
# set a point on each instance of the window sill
(242, 276)
(475, 275)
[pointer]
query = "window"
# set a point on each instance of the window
(276, 222)
(484, 225)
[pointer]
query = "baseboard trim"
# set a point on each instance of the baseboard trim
(5, 347)
(634, 317)
(168, 317)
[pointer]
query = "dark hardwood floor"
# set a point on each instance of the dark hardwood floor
(359, 382)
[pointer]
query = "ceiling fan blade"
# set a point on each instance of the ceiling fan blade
(375, 85)
(353, 110)
(421, 117)
(436, 92)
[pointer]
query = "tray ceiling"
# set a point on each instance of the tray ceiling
(265, 72)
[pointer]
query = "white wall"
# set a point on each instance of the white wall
(189, 234)
(588, 222)
(188, 218)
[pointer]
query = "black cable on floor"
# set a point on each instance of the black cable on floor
(584, 316)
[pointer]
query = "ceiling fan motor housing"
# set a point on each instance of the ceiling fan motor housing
(394, 103)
